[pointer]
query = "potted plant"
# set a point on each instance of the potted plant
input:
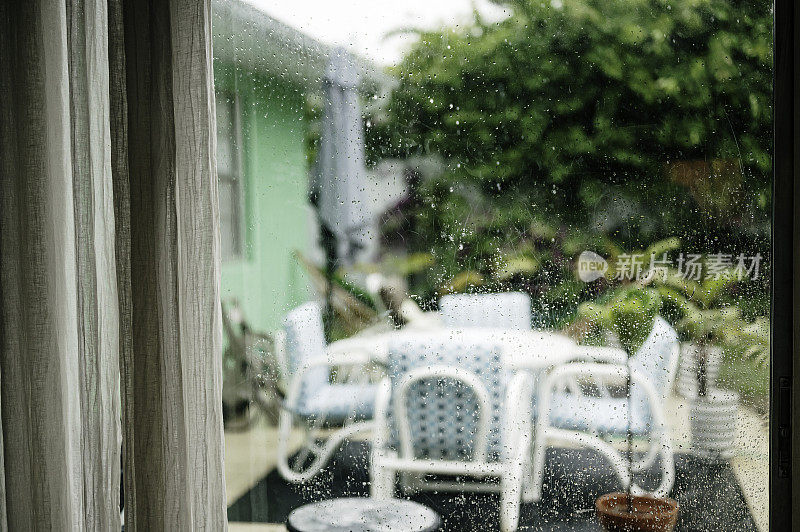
(703, 329)
(630, 314)
(696, 305)
(710, 328)
(714, 411)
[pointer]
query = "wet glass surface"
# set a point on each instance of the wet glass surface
(497, 261)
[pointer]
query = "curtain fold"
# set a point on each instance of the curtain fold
(198, 259)
(109, 267)
(175, 378)
(98, 316)
(55, 358)
(121, 182)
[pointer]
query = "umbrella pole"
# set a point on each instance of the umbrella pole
(328, 241)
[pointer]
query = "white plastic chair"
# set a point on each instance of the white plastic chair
(449, 408)
(566, 412)
(327, 412)
(505, 310)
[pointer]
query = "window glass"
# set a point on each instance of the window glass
(506, 260)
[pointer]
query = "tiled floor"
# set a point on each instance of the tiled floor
(250, 455)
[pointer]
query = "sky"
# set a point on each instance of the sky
(362, 25)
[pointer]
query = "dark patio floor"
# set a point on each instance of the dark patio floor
(709, 495)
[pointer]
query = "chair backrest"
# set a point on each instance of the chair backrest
(657, 358)
(507, 310)
(443, 413)
(305, 341)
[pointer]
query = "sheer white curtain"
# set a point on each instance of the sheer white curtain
(108, 266)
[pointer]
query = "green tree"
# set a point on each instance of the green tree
(585, 122)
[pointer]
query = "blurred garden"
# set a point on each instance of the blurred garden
(642, 131)
(570, 197)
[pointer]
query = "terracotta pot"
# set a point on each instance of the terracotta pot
(649, 513)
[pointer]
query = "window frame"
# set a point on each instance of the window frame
(785, 319)
(236, 178)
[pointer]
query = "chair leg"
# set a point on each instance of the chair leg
(533, 487)
(510, 493)
(383, 479)
(660, 446)
(285, 426)
(649, 458)
(311, 455)
(667, 468)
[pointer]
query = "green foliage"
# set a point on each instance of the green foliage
(726, 327)
(599, 124)
(629, 313)
(407, 265)
(749, 377)
(703, 294)
(598, 92)
(704, 312)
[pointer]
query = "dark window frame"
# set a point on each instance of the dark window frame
(784, 401)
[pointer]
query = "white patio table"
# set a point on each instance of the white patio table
(522, 349)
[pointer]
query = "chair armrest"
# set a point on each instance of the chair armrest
(600, 374)
(328, 360)
(371, 346)
(597, 354)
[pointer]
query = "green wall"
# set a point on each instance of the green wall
(268, 280)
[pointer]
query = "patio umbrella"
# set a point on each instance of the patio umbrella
(339, 187)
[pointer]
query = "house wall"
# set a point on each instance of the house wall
(268, 280)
